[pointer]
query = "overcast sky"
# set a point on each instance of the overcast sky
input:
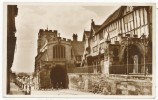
(66, 19)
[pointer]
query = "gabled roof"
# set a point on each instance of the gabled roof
(77, 47)
(96, 27)
(87, 34)
(113, 17)
(117, 14)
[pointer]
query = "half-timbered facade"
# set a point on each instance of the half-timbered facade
(122, 44)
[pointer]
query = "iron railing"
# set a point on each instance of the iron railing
(113, 69)
(88, 69)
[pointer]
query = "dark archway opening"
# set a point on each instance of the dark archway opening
(132, 57)
(59, 77)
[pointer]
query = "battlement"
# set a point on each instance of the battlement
(55, 33)
(69, 40)
(46, 31)
(64, 39)
(41, 30)
(50, 30)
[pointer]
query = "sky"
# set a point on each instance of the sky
(67, 19)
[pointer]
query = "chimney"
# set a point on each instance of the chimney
(74, 37)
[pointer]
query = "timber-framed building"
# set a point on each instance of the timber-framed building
(122, 44)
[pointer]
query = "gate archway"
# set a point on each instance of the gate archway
(59, 77)
(134, 58)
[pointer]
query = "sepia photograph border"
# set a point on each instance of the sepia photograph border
(4, 53)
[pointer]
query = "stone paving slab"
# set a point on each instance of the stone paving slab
(15, 90)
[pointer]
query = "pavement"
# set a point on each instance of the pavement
(60, 92)
(15, 90)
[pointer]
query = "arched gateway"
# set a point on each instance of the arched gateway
(133, 59)
(130, 59)
(59, 77)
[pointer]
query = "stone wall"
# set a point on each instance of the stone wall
(44, 79)
(101, 84)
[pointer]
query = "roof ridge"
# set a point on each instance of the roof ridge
(110, 18)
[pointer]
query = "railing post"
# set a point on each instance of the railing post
(127, 56)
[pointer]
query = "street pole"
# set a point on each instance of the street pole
(144, 56)
(127, 55)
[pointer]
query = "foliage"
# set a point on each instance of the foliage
(22, 74)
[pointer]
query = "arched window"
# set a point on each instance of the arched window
(58, 51)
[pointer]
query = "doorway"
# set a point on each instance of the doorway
(59, 77)
(133, 57)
